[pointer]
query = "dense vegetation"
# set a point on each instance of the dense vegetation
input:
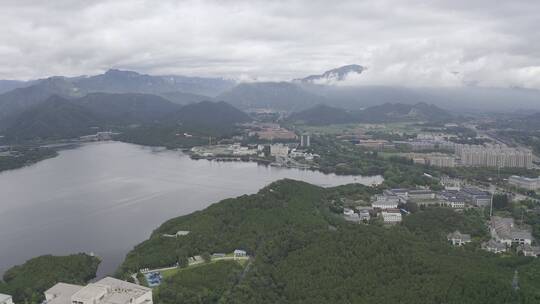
(171, 137)
(435, 223)
(23, 156)
(60, 118)
(201, 284)
(321, 115)
(304, 253)
(56, 118)
(27, 282)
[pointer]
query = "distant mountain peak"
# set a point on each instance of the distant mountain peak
(333, 75)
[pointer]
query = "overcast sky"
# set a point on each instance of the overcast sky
(416, 43)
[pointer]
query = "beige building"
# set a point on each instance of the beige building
(279, 150)
(105, 291)
(433, 159)
(5, 299)
(391, 216)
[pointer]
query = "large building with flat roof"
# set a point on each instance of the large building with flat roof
(105, 291)
(504, 231)
(5, 299)
(524, 182)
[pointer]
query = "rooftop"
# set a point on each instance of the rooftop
(494, 244)
(524, 179)
(90, 291)
(474, 191)
(61, 293)
(456, 235)
(391, 211)
(4, 297)
(108, 291)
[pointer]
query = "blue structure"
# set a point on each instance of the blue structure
(153, 279)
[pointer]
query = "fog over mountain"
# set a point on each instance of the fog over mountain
(332, 87)
(457, 54)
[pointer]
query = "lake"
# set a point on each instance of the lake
(107, 197)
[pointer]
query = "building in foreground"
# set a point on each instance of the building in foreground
(504, 231)
(458, 239)
(239, 253)
(524, 182)
(105, 291)
(494, 246)
(528, 250)
(5, 299)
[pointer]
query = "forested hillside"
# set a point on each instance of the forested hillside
(27, 282)
(304, 253)
(143, 118)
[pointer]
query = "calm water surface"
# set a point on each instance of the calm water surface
(107, 197)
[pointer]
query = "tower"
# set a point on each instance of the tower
(305, 140)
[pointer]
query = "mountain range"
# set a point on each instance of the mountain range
(58, 117)
(294, 96)
(178, 89)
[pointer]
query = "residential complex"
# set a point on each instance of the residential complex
(427, 144)
(494, 156)
(441, 161)
(105, 291)
(524, 182)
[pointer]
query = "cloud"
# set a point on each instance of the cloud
(411, 43)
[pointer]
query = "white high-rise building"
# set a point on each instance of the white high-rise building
(494, 156)
(305, 140)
